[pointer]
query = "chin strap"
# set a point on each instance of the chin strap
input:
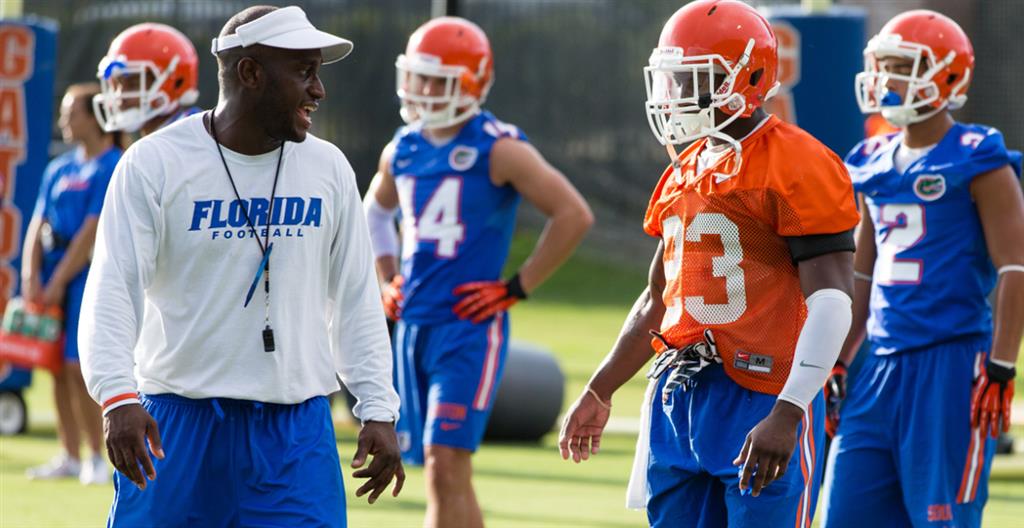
(677, 166)
(736, 158)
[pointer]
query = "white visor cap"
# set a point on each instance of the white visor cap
(286, 28)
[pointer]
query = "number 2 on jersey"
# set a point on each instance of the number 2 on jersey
(905, 223)
(726, 266)
(438, 220)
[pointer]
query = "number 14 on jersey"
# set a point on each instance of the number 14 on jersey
(439, 219)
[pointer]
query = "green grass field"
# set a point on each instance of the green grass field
(576, 315)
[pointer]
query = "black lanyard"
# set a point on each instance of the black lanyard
(268, 333)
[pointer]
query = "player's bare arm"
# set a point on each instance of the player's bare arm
(518, 163)
(770, 444)
(581, 430)
(863, 269)
(1001, 209)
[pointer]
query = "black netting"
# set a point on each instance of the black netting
(569, 72)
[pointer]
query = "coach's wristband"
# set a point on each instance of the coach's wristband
(120, 400)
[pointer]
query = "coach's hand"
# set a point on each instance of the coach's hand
(768, 448)
(378, 439)
(127, 428)
(835, 393)
(483, 300)
(582, 427)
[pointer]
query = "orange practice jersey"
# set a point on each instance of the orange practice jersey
(727, 264)
(876, 125)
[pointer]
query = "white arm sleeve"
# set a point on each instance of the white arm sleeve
(381, 222)
(359, 334)
(829, 315)
(122, 266)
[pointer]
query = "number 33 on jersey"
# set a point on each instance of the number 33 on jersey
(727, 264)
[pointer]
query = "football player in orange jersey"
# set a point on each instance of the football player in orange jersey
(149, 79)
(749, 289)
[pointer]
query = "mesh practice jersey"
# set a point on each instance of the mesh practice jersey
(727, 264)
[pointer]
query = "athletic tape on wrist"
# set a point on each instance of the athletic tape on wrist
(1011, 267)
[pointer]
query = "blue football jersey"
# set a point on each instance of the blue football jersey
(932, 273)
(73, 189)
(456, 224)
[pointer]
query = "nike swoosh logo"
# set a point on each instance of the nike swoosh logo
(805, 364)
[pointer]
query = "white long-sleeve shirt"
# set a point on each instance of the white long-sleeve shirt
(174, 258)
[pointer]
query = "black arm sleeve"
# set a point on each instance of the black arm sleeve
(810, 246)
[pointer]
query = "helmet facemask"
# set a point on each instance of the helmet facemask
(118, 107)
(455, 105)
(922, 98)
(683, 94)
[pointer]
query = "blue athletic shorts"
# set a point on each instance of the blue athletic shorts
(905, 453)
(234, 463)
(447, 376)
(696, 434)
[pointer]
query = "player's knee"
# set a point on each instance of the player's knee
(447, 468)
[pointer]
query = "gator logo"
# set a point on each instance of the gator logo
(462, 157)
(930, 187)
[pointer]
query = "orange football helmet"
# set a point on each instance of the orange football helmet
(456, 56)
(703, 42)
(150, 70)
(942, 62)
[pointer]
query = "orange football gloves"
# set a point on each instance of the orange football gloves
(482, 300)
(993, 394)
(392, 297)
(835, 393)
